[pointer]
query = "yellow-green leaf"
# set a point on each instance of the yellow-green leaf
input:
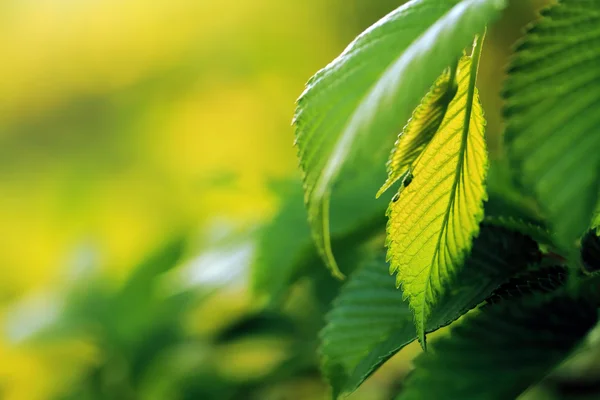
(433, 221)
(419, 130)
(348, 117)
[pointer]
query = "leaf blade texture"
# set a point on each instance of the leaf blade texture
(419, 130)
(354, 107)
(370, 322)
(432, 224)
(552, 135)
(501, 351)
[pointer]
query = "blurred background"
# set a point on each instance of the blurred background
(146, 169)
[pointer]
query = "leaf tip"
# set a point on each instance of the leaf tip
(322, 236)
(381, 191)
(332, 264)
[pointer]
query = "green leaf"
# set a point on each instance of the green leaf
(419, 130)
(433, 222)
(507, 207)
(552, 96)
(369, 321)
(279, 247)
(501, 351)
(353, 108)
(285, 251)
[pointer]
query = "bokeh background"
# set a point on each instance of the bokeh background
(145, 147)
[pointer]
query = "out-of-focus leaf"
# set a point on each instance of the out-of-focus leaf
(285, 248)
(279, 247)
(267, 323)
(121, 314)
(505, 197)
(596, 221)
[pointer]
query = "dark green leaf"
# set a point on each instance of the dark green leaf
(502, 350)
(543, 280)
(370, 322)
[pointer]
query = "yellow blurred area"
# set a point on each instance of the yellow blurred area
(124, 121)
(33, 373)
(121, 120)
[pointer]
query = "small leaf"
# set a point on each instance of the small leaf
(419, 131)
(354, 107)
(552, 95)
(432, 225)
(501, 351)
(369, 321)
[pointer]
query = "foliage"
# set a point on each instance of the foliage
(369, 90)
(369, 316)
(551, 95)
(506, 250)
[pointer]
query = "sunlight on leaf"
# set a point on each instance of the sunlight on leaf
(419, 131)
(353, 108)
(370, 322)
(433, 222)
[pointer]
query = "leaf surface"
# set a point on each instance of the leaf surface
(553, 127)
(502, 350)
(355, 107)
(370, 322)
(432, 224)
(419, 130)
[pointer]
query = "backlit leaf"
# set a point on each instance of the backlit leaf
(355, 107)
(370, 322)
(419, 131)
(432, 224)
